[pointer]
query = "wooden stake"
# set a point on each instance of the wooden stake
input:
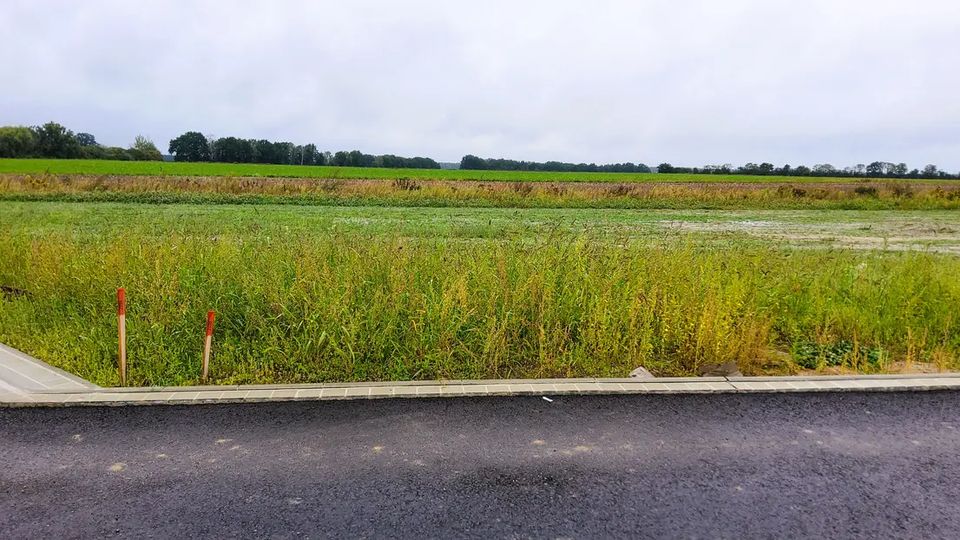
(122, 331)
(206, 346)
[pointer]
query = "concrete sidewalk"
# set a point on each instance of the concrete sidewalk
(21, 374)
(26, 381)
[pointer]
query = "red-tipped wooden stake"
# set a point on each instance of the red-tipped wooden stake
(122, 327)
(206, 346)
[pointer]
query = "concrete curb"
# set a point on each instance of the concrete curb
(68, 390)
(479, 388)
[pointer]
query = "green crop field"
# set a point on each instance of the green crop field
(338, 293)
(156, 168)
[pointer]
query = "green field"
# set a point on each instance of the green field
(328, 293)
(155, 168)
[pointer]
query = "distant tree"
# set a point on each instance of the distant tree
(143, 149)
(930, 171)
(86, 139)
(191, 146)
(55, 141)
(306, 155)
(765, 168)
(231, 150)
(17, 142)
(472, 162)
(284, 153)
(264, 152)
(94, 151)
(824, 169)
(900, 169)
(665, 168)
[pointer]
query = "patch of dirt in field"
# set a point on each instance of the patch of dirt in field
(892, 235)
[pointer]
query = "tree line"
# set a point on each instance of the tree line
(471, 162)
(876, 169)
(51, 140)
(194, 146)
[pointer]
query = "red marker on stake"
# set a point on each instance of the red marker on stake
(122, 331)
(206, 346)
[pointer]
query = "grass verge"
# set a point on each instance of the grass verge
(305, 305)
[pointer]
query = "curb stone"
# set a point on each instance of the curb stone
(68, 390)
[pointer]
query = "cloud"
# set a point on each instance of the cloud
(685, 81)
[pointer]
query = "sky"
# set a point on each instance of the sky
(688, 82)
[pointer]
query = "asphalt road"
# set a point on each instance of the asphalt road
(795, 465)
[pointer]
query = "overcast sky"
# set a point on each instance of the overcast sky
(684, 81)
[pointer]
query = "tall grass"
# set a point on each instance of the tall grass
(405, 191)
(353, 306)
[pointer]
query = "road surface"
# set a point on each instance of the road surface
(799, 465)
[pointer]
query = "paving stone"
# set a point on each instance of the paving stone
(565, 388)
(259, 394)
(333, 393)
(309, 393)
(381, 391)
(452, 390)
(357, 392)
(285, 394)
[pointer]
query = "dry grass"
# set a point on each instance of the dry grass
(407, 191)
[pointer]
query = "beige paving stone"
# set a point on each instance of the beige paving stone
(157, 397)
(182, 396)
(428, 390)
(333, 393)
(405, 391)
(357, 392)
(752, 386)
(285, 394)
(475, 390)
(381, 391)
(452, 390)
(259, 394)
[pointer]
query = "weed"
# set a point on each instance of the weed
(405, 184)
